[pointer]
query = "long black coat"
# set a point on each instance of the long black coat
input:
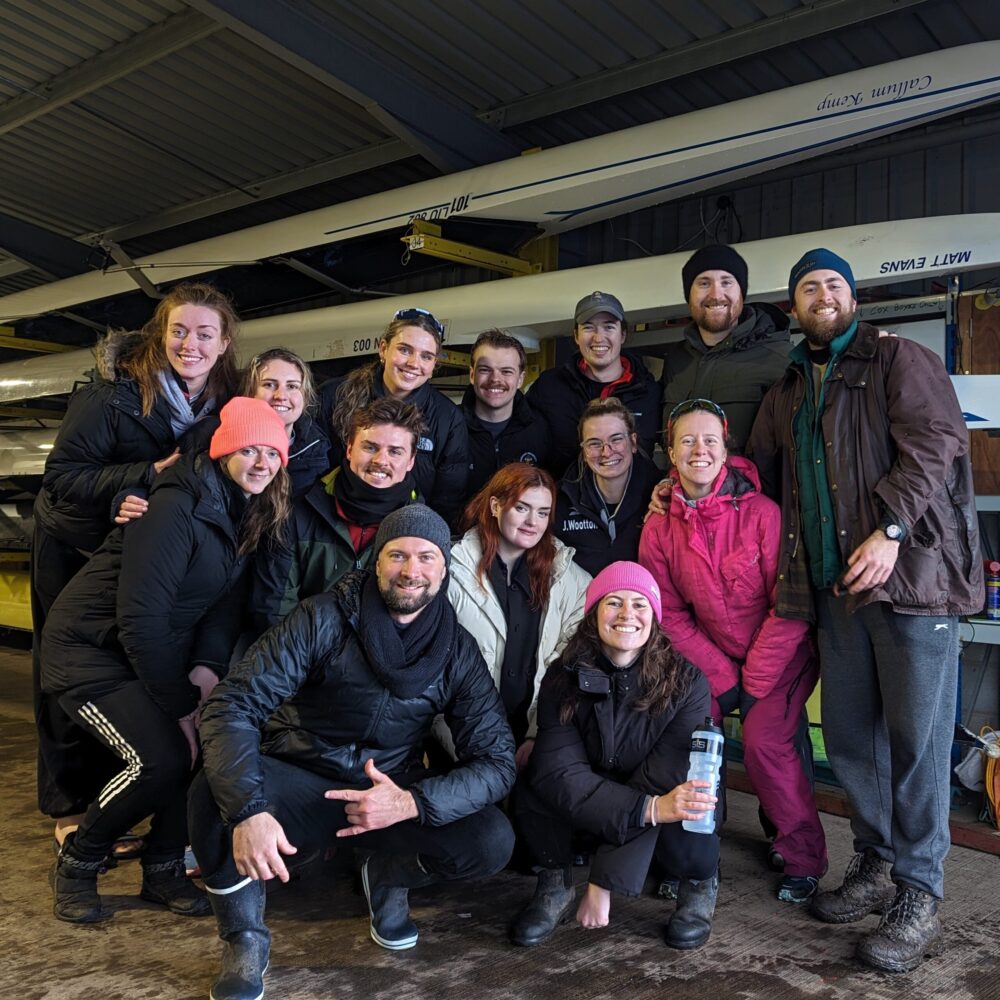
(598, 768)
(104, 448)
(308, 685)
(159, 596)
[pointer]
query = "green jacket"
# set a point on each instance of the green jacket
(318, 551)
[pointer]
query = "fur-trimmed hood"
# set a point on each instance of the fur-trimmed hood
(111, 348)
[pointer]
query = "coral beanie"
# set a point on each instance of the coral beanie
(247, 422)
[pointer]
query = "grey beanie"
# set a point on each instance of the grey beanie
(414, 521)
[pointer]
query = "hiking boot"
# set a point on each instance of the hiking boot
(866, 889)
(74, 886)
(797, 888)
(167, 883)
(691, 924)
(908, 932)
(547, 909)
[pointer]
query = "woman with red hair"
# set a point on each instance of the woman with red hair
(516, 589)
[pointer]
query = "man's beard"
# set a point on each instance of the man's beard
(722, 322)
(821, 332)
(406, 603)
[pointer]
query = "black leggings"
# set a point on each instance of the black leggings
(474, 846)
(72, 765)
(549, 838)
(153, 781)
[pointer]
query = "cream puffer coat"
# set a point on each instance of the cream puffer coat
(479, 612)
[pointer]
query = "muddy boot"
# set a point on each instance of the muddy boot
(167, 883)
(246, 941)
(691, 924)
(866, 889)
(74, 886)
(386, 880)
(909, 931)
(549, 907)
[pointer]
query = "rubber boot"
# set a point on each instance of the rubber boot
(691, 924)
(74, 886)
(547, 909)
(387, 880)
(866, 889)
(246, 941)
(908, 932)
(167, 883)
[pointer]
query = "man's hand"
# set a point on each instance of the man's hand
(188, 727)
(375, 808)
(131, 509)
(869, 565)
(258, 843)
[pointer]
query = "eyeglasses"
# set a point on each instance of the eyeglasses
(415, 312)
(689, 406)
(594, 446)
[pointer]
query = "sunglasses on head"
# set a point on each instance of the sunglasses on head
(689, 406)
(415, 312)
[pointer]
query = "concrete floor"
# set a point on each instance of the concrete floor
(759, 948)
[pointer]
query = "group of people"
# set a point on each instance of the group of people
(269, 618)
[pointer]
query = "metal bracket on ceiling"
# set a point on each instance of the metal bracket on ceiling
(425, 237)
(129, 266)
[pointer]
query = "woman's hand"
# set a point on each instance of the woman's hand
(132, 509)
(683, 802)
(204, 679)
(165, 463)
(190, 734)
(523, 753)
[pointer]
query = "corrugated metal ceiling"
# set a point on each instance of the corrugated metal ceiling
(221, 115)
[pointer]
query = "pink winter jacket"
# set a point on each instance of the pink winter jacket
(716, 564)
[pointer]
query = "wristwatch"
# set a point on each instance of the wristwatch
(892, 529)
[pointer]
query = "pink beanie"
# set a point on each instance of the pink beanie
(624, 576)
(247, 422)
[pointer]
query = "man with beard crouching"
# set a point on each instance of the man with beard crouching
(317, 733)
(864, 445)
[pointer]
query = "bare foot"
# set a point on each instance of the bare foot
(594, 908)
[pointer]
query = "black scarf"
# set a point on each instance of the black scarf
(365, 504)
(406, 660)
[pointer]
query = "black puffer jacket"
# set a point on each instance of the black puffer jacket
(104, 448)
(735, 374)
(522, 440)
(159, 596)
(441, 470)
(560, 394)
(307, 684)
(308, 454)
(578, 521)
(598, 768)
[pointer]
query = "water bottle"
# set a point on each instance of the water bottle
(705, 765)
(993, 590)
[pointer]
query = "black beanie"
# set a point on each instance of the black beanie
(716, 257)
(414, 521)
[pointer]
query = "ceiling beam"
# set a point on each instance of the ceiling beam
(450, 138)
(149, 45)
(818, 18)
(40, 248)
(707, 53)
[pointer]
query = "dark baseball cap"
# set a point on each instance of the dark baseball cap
(598, 302)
